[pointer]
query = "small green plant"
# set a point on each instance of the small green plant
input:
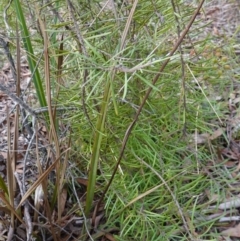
(139, 88)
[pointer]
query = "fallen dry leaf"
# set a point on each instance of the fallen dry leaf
(82, 181)
(63, 199)
(110, 237)
(232, 232)
(201, 138)
(216, 134)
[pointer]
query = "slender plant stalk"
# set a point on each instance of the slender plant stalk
(96, 147)
(10, 171)
(101, 121)
(30, 55)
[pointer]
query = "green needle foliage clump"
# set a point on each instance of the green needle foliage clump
(111, 53)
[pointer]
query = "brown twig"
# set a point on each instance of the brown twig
(84, 51)
(5, 46)
(130, 128)
(27, 217)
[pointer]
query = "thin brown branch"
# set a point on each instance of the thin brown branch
(84, 51)
(130, 128)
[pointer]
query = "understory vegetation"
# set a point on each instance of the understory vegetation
(131, 124)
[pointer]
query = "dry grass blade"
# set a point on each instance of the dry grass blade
(53, 132)
(129, 20)
(59, 73)
(39, 181)
(64, 165)
(37, 202)
(10, 170)
(16, 117)
(27, 218)
(10, 207)
(16, 122)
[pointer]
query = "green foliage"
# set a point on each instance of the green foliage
(30, 54)
(159, 138)
(106, 84)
